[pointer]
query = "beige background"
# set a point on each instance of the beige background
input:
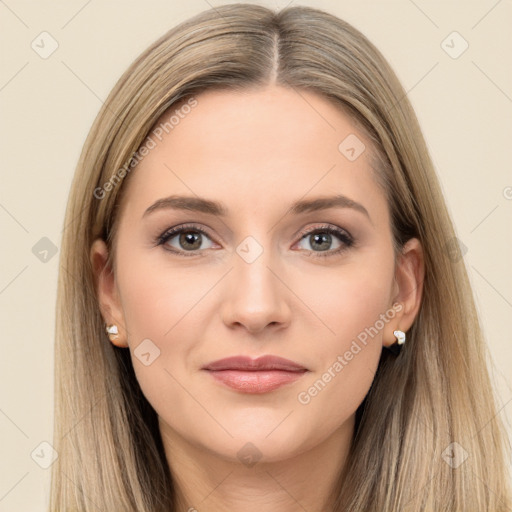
(464, 105)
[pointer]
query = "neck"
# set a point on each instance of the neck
(208, 482)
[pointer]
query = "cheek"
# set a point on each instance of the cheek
(349, 301)
(354, 306)
(159, 305)
(166, 304)
(155, 298)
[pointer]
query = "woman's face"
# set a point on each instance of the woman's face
(252, 275)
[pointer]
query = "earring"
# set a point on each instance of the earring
(112, 331)
(400, 336)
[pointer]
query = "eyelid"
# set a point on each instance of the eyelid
(183, 227)
(324, 227)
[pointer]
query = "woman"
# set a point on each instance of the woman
(261, 306)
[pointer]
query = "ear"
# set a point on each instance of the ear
(407, 289)
(106, 290)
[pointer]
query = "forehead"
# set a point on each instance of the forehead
(267, 143)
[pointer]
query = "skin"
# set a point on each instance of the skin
(257, 152)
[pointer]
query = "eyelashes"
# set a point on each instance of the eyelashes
(193, 235)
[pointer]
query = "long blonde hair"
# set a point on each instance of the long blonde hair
(436, 392)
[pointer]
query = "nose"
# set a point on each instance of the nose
(255, 296)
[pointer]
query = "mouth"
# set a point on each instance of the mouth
(260, 375)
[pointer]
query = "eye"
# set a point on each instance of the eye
(191, 240)
(320, 240)
(183, 239)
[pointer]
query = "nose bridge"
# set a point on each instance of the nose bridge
(252, 266)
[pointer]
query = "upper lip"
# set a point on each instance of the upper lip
(262, 363)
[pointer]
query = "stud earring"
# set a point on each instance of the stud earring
(400, 336)
(112, 331)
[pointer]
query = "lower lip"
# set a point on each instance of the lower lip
(255, 381)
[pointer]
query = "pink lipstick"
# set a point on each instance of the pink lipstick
(260, 375)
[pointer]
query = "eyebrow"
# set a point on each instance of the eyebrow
(198, 204)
